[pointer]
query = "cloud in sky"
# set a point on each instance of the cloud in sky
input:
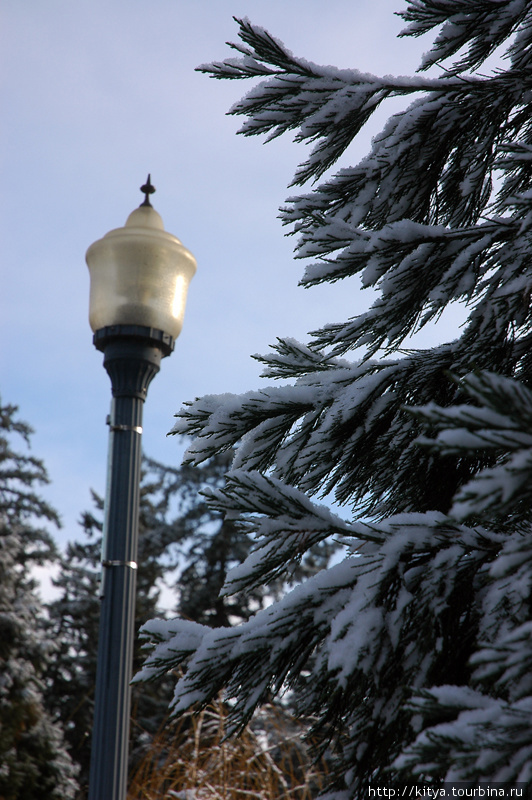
(96, 94)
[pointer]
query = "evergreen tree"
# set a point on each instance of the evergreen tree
(413, 655)
(33, 759)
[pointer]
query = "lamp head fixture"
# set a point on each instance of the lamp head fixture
(140, 273)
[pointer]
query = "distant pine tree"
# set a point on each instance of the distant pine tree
(33, 760)
(206, 546)
(413, 654)
(209, 546)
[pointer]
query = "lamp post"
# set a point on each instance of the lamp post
(139, 281)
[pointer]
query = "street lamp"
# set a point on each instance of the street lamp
(139, 280)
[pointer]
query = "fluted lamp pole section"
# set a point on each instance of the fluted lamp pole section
(139, 280)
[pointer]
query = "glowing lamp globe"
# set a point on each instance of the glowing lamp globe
(139, 274)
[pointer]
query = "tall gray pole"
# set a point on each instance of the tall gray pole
(132, 355)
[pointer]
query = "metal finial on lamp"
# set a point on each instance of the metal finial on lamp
(147, 189)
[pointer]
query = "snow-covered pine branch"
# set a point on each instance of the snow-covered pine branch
(421, 243)
(502, 424)
(352, 631)
(284, 536)
(342, 431)
(480, 27)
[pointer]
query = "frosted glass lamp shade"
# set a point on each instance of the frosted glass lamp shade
(139, 275)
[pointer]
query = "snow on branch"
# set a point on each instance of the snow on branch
(325, 103)
(241, 658)
(482, 26)
(503, 424)
(292, 359)
(340, 430)
(499, 730)
(286, 525)
(339, 626)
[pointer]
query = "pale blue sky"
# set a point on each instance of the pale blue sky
(97, 93)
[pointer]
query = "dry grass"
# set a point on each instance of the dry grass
(191, 760)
